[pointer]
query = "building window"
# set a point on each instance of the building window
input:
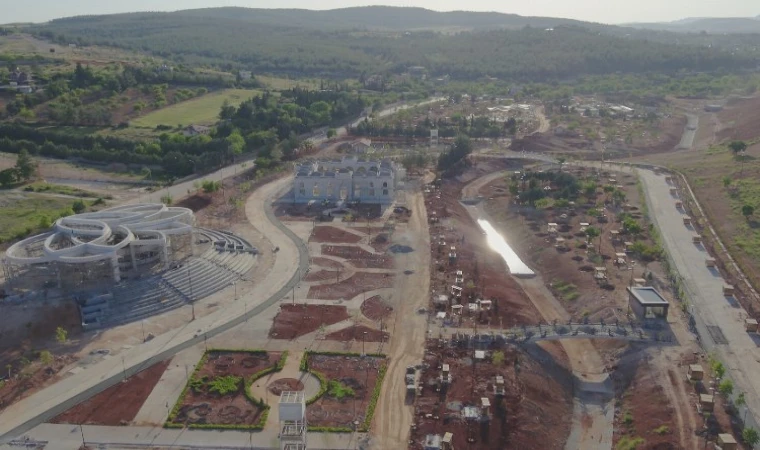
(385, 184)
(329, 189)
(302, 189)
(371, 192)
(343, 192)
(357, 193)
(315, 191)
(371, 184)
(385, 192)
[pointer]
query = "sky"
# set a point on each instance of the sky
(606, 11)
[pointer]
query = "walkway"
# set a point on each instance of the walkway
(47, 403)
(291, 370)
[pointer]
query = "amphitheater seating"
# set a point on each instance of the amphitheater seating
(198, 277)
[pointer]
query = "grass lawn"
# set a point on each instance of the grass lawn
(21, 213)
(281, 84)
(198, 111)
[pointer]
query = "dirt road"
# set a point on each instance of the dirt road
(393, 419)
(543, 122)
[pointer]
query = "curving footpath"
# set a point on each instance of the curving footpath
(292, 257)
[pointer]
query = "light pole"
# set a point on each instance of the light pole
(81, 431)
(364, 338)
(142, 324)
(124, 367)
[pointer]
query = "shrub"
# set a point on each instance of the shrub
(629, 443)
(225, 385)
(664, 429)
(628, 418)
(364, 427)
(726, 387)
(339, 390)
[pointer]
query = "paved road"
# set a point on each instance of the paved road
(47, 403)
(723, 317)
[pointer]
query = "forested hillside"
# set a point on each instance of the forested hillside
(347, 43)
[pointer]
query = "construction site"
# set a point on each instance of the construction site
(516, 303)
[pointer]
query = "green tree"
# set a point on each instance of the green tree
(750, 436)
(46, 357)
(719, 369)
(737, 146)
(61, 335)
(78, 207)
(25, 165)
(561, 162)
(747, 211)
(726, 181)
(8, 177)
(497, 358)
(726, 387)
(167, 199)
(592, 232)
(44, 222)
(210, 186)
(235, 143)
(331, 133)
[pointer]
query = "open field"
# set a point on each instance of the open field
(281, 84)
(200, 111)
(21, 213)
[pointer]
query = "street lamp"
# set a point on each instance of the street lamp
(364, 338)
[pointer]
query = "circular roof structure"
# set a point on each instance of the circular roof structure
(96, 236)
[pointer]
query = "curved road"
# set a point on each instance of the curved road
(51, 401)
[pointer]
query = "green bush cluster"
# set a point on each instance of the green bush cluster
(330, 429)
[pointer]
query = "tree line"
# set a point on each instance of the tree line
(528, 54)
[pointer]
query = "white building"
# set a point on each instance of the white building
(347, 179)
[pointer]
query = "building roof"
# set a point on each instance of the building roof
(647, 296)
(291, 397)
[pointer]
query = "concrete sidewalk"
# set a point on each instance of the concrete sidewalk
(69, 437)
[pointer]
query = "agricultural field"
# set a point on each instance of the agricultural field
(281, 84)
(200, 111)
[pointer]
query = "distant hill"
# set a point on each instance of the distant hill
(378, 39)
(732, 25)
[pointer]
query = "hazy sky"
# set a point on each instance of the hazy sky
(608, 11)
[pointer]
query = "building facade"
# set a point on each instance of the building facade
(349, 179)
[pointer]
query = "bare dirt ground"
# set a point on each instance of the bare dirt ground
(569, 269)
(299, 319)
(203, 406)
(359, 333)
(515, 418)
(643, 410)
(351, 287)
(485, 276)
(326, 233)
(374, 308)
(117, 405)
(358, 257)
(359, 374)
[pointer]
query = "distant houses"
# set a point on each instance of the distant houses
(20, 81)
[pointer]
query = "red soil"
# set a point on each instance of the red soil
(277, 387)
(534, 413)
(207, 407)
(117, 405)
(321, 275)
(356, 372)
(327, 233)
(375, 309)
(358, 257)
(296, 320)
(356, 333)
(326, 263)
(353, 286)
